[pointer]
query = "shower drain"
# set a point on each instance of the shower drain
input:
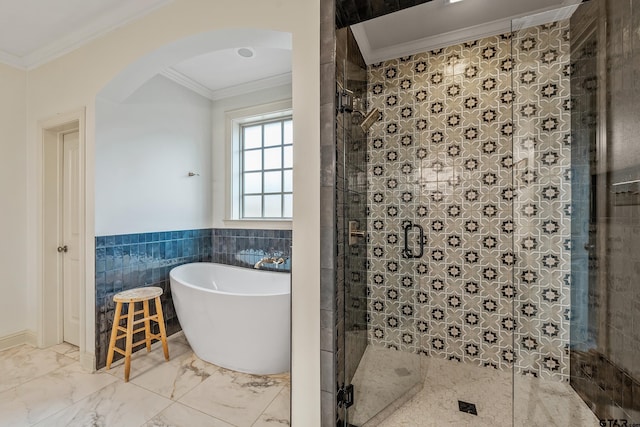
(469, 408)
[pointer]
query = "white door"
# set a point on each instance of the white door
(71, 237)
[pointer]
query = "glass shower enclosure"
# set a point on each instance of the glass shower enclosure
(376, 379)
(488, 221)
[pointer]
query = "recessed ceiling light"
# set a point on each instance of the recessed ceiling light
(452, 1)
(245, 52)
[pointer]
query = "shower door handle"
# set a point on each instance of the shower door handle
(408, 252)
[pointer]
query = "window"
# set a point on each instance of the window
(267, 169)
(261, 179)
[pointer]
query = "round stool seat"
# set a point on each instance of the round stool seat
(139, 294)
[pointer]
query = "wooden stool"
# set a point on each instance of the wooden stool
(132, 297)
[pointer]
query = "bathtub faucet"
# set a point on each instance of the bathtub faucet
(269, 260)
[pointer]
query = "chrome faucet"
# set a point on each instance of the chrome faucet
(269, 260)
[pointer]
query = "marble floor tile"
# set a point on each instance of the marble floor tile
(67, 349)
(179, 415)
(49, 388)
(33, 401)
(144, 362)
(178, 338)
(175, 378)
(119, 404)
(24, 363)
(234, 397)
(278, 412)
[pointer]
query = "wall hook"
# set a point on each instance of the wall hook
(193, 174)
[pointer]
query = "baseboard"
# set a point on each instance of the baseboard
(88, 361)
(18, 338)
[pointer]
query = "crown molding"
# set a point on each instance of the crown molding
(12, 60)
(494, 28)
(254, 86)
(545, 17)
(72, 41)
(187, 82)
(372, 56)
(228, 92)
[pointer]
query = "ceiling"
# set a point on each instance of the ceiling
(33, 32)
(225, 73)
(439, 23)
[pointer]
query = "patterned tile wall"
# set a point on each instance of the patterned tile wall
(473, 146)
(542, 207)
(584, 121)
(135, 260)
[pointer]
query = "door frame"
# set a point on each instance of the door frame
(49, 284)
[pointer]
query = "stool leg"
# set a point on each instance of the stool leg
(163, 332)
(147, 324)
(114, 333)
(127, 355)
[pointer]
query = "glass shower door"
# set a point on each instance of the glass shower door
(382, 249)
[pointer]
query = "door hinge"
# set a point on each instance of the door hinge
(345, 396)
(344, 100)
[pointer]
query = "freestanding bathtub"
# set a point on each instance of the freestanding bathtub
(236, 318)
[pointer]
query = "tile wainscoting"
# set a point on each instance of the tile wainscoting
(244, 247)
(131, 261)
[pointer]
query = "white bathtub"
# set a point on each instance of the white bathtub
(234, 317)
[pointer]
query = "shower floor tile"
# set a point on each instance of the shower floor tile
(48, 387)
(381, 377)
(538, 403)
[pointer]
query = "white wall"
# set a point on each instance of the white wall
(13, 205)
(221, 154)
(145, 147)
(73, 81)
